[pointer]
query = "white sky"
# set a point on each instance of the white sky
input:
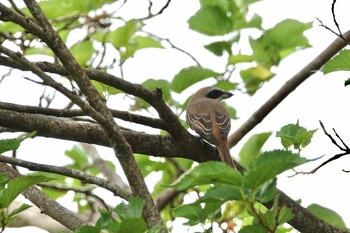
(319, 98)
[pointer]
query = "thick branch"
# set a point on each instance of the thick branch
(45, 203)
(304, 221)
(123, 115)
(61, 128)
(288, 88)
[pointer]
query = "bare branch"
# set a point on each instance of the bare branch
(345, 149)
(150, 14)
(339, 33)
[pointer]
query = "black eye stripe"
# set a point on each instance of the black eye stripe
(214, 94)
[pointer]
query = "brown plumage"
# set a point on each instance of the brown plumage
(210, 119)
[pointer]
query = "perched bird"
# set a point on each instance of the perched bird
(210, 119)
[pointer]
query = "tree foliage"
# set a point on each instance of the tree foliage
(80, 50)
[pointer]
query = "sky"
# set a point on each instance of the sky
(319, 98)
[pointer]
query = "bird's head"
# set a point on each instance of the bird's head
(212, 93)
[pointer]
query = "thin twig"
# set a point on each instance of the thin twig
(150, 14)
(345, 149)
(339, 33)
(172, 45)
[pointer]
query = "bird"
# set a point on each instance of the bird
(208, 117)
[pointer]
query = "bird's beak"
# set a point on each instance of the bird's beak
(226, 95)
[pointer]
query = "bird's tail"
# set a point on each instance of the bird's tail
(224, 153)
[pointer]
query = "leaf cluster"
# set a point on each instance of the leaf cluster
(256, 184)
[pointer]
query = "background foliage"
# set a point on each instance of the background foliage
(209, 196)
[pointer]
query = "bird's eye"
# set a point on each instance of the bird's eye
(214, 94)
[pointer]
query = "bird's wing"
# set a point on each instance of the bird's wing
(223, 121)
(201, 123)
(207, 118)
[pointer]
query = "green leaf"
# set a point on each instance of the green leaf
(211, 21)
(189, 76)
(137, 43)
(156, 229)
(223, 193)
(280, 41)
(296, 135)
(107, 222)
(251, 149)
(239, 58)
(148, 165)
(253, 77)
(135, 207)
(152, 84)
(131, 210)
(268, 165)
(17, 211)
(56, 179)
(219, 47)
(327, 214)
(226, 85)
(122, 35)
(134, 225)
(59, 8)
(256, 228)
(38, 50)
(9, 27)
(266, 192)
(189, 211)
(82, 51)
(13, 144)
(232, 111)
(277, 214)
(18, 185)
(79, 157)
(104, 89)
(340, 62)
(209, 173)
(195, 213)
(3, 181)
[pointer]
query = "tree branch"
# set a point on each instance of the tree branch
(189, 147)
(86, 178)
(71, 113)
(45, 203)
(173, 126)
